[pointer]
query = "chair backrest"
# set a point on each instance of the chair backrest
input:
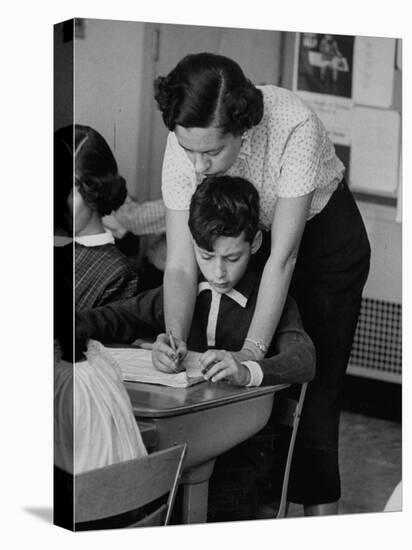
(287, 411)
(142, 491)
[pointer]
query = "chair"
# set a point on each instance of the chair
(238, 494)
(135, 493)
(287, 412)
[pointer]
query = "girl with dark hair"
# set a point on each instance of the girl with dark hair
(316, 243)
(87, 186)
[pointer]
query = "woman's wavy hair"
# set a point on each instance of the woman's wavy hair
(208, 90)
(223, 206)
(83, 157)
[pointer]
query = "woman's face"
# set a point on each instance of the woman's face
(210, 151)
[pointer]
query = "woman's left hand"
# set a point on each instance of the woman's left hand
(224, 365)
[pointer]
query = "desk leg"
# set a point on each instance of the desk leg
(196, 492)
(195, 497)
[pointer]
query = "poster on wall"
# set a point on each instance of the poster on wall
(323, 74)
(373, 72)
(325, 64)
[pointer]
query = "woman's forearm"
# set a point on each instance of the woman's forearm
(287, 228)
(179, 301)
(271, 299)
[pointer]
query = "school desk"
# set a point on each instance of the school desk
(211, 418)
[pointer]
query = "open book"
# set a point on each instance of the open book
(136, 366)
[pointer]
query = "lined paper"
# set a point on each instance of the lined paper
(136, 366)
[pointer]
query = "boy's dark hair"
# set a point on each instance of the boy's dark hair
(223, 206)
(205, 90)
(84, 150)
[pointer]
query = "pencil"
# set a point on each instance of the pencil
(172, 341)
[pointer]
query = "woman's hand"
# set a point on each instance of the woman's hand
(224, 365)
(164, 358)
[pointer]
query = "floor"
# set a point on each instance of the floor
(370, 461)
(370, 446)
(370, 452)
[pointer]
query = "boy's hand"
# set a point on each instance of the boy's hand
(163, 356)
(223, 365)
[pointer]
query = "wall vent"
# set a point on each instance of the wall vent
(377, 348)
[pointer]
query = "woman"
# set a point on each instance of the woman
(219, 123)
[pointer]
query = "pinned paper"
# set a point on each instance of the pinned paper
(373, 73)
(375, 150)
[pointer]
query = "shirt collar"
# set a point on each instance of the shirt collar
(243, 290)
(95, 240)
(85, 240)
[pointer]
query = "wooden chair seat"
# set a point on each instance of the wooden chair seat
(135, 493)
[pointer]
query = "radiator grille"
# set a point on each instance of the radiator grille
(377, 347)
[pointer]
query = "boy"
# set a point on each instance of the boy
(223, 220)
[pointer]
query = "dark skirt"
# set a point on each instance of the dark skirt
(329, 276)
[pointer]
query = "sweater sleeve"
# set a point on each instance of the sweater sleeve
(292, 356)
(123, 321)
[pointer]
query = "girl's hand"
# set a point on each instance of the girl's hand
(223, 365)
(163, 356)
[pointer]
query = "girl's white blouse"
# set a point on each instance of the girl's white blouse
(288, 154)
(94, 425)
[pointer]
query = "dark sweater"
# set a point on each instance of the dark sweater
(291, 355)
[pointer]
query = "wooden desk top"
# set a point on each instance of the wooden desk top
(152, 401)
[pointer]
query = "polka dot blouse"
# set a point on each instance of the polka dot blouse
(288, 154)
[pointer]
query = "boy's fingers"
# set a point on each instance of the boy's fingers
(213, 369)
(222, 375)
(181, 351)
(209, 358)
(164, 364)
(162, 347)
(164, 358)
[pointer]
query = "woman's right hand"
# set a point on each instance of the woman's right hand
(163, 356)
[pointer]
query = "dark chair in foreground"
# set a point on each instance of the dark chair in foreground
(135, 493)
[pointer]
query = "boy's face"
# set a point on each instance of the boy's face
(226, 264)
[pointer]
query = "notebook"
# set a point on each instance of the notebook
(136, 366)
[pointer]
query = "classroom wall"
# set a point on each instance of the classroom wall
(385, 235)
(63, 61)
(108, 72)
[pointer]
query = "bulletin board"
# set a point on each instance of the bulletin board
(354, 83)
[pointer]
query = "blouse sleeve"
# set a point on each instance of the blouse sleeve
(301, 159)
(178, 176)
